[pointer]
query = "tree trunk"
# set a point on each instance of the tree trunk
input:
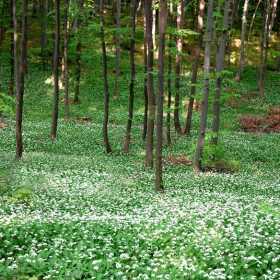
(242, 49)
(229, 44)
(42, 33)
(131, 87)
(55, 70)
(65, 59)
(195, 67)
(219, 69)
(20, 79)
(146, 98)
(204, 109)
(168, 117)
(178, 60)
(106, 91)
(118, 48)
(161, 48)
(12, 57)
(78, 49)
(150, 85)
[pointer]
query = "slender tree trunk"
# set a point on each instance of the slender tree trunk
(206, 84)
(118, 48)
(65, 59)
(229, 44)
(55, 70)
(131, 87)
(252, 23)
(146, 98)
(178, 60)
(195, 67)
(161, 51)
(20, 79)
(2, 31)
(242, 48)
(168, 117)
(42, 33)
(12, 57)
(154, 22)
(150, 85)
(106, 90)
(219, 69)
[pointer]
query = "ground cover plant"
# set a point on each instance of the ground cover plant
(69, 211)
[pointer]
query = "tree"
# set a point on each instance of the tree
(169, 88)
(78, 49)
(269, 12)
(20, 74)
(242, 47)
(55, 70)
(150, 84)
(118, 48)
(161, 51)
(43, 33)
(131, 86)
(106, 90)
(219, 68)
(178, 59)
(65, 59)
(195, 67)
(206, 84)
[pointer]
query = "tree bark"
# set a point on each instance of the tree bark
(219, 69)
(131, 86)
(150, 85)
(178, 60)
(118, 48)
(168, 117)
(242, 48)
(65, 59)
(20, 78)
(161, 51)
(55, 70)
(195, 67)
(42, 33)
(204, 109)
(146, 97)
(106, 90)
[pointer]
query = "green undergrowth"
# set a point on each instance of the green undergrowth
(70, 211)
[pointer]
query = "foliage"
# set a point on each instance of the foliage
(6, 103)
(69, 211)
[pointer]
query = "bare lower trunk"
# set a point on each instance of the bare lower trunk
(204, 109)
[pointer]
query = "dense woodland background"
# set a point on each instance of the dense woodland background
(101, 101)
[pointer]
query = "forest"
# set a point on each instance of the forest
(139, 139)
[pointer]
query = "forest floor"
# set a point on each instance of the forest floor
(70, 211)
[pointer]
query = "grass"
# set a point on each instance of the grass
(70, 211)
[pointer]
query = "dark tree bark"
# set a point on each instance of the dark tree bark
(267, 24)
(118, 48)
(12, 58)
(195, 67)
(178, 60)
(204, 108)
(161, 51)
(78, 49)
(106, 90)
(131, 86)
(219, 68)
(146, 98)
(150, 85)
(55, 69)
(20, 78)
(242, 48)
(43, 33)
(65, 59)
(169, 87)
(229, 44)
